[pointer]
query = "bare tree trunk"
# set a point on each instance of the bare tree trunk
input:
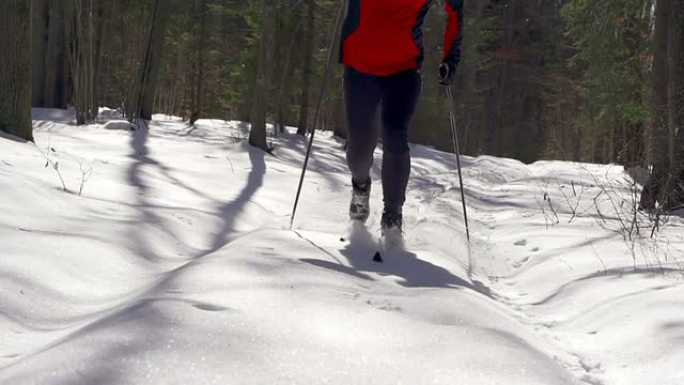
(257, 135)
(146, 87)
(91, 109)
(57, 73)
(286, 79)
(674, 48)
(15, 68)
(152, 60)
(655, 187)
(103, 18)
(303, 125)
(48, 55)
(80, 19)
(39, 50)
(199, 75)
(127, 100)
(676, 104)
(177, 103)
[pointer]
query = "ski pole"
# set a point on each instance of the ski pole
(318, 109)
(457, 151)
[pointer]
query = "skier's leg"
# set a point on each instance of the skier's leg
(362, 98)
(400, 95)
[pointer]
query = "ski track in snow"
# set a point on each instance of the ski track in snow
(176, 265)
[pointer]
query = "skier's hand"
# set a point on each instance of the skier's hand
(446, 74)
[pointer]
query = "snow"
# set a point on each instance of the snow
(176, 264)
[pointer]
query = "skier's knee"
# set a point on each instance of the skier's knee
(395, 144)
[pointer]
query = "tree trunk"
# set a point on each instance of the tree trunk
(146, 87)
(39, 49)
(103, 17)
(286, 80)
(654, 190)
(80, 16)
(56, 77)
(199, 75)
(303, 125)
(676, 104)
(674, 83)
(15, 68)
(91, 109)
(257, 135)
(152, 60)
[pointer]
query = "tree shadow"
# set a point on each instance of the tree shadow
(324, 161)
(148, 328)
(231, 211)
(150, 332)
(141, 156)
(148, 217)
(145, 325)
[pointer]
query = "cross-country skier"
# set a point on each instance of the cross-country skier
(382, 52)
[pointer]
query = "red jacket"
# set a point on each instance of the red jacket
(385, 37)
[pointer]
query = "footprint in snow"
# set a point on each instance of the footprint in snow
(183, 219)
(522, 242)
(521, 263)
(534, 249)
(589, 366)
(209, 307)
(383, 305)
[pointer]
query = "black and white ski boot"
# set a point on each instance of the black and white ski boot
(360, 202)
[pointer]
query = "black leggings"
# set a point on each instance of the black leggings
(397, 95)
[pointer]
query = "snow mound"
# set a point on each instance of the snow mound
(116, 124)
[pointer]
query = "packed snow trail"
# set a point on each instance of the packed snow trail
(175, 265)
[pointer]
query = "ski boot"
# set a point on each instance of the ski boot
(391, 230)
(360, 202)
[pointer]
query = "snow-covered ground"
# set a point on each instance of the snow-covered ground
(176, 265)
